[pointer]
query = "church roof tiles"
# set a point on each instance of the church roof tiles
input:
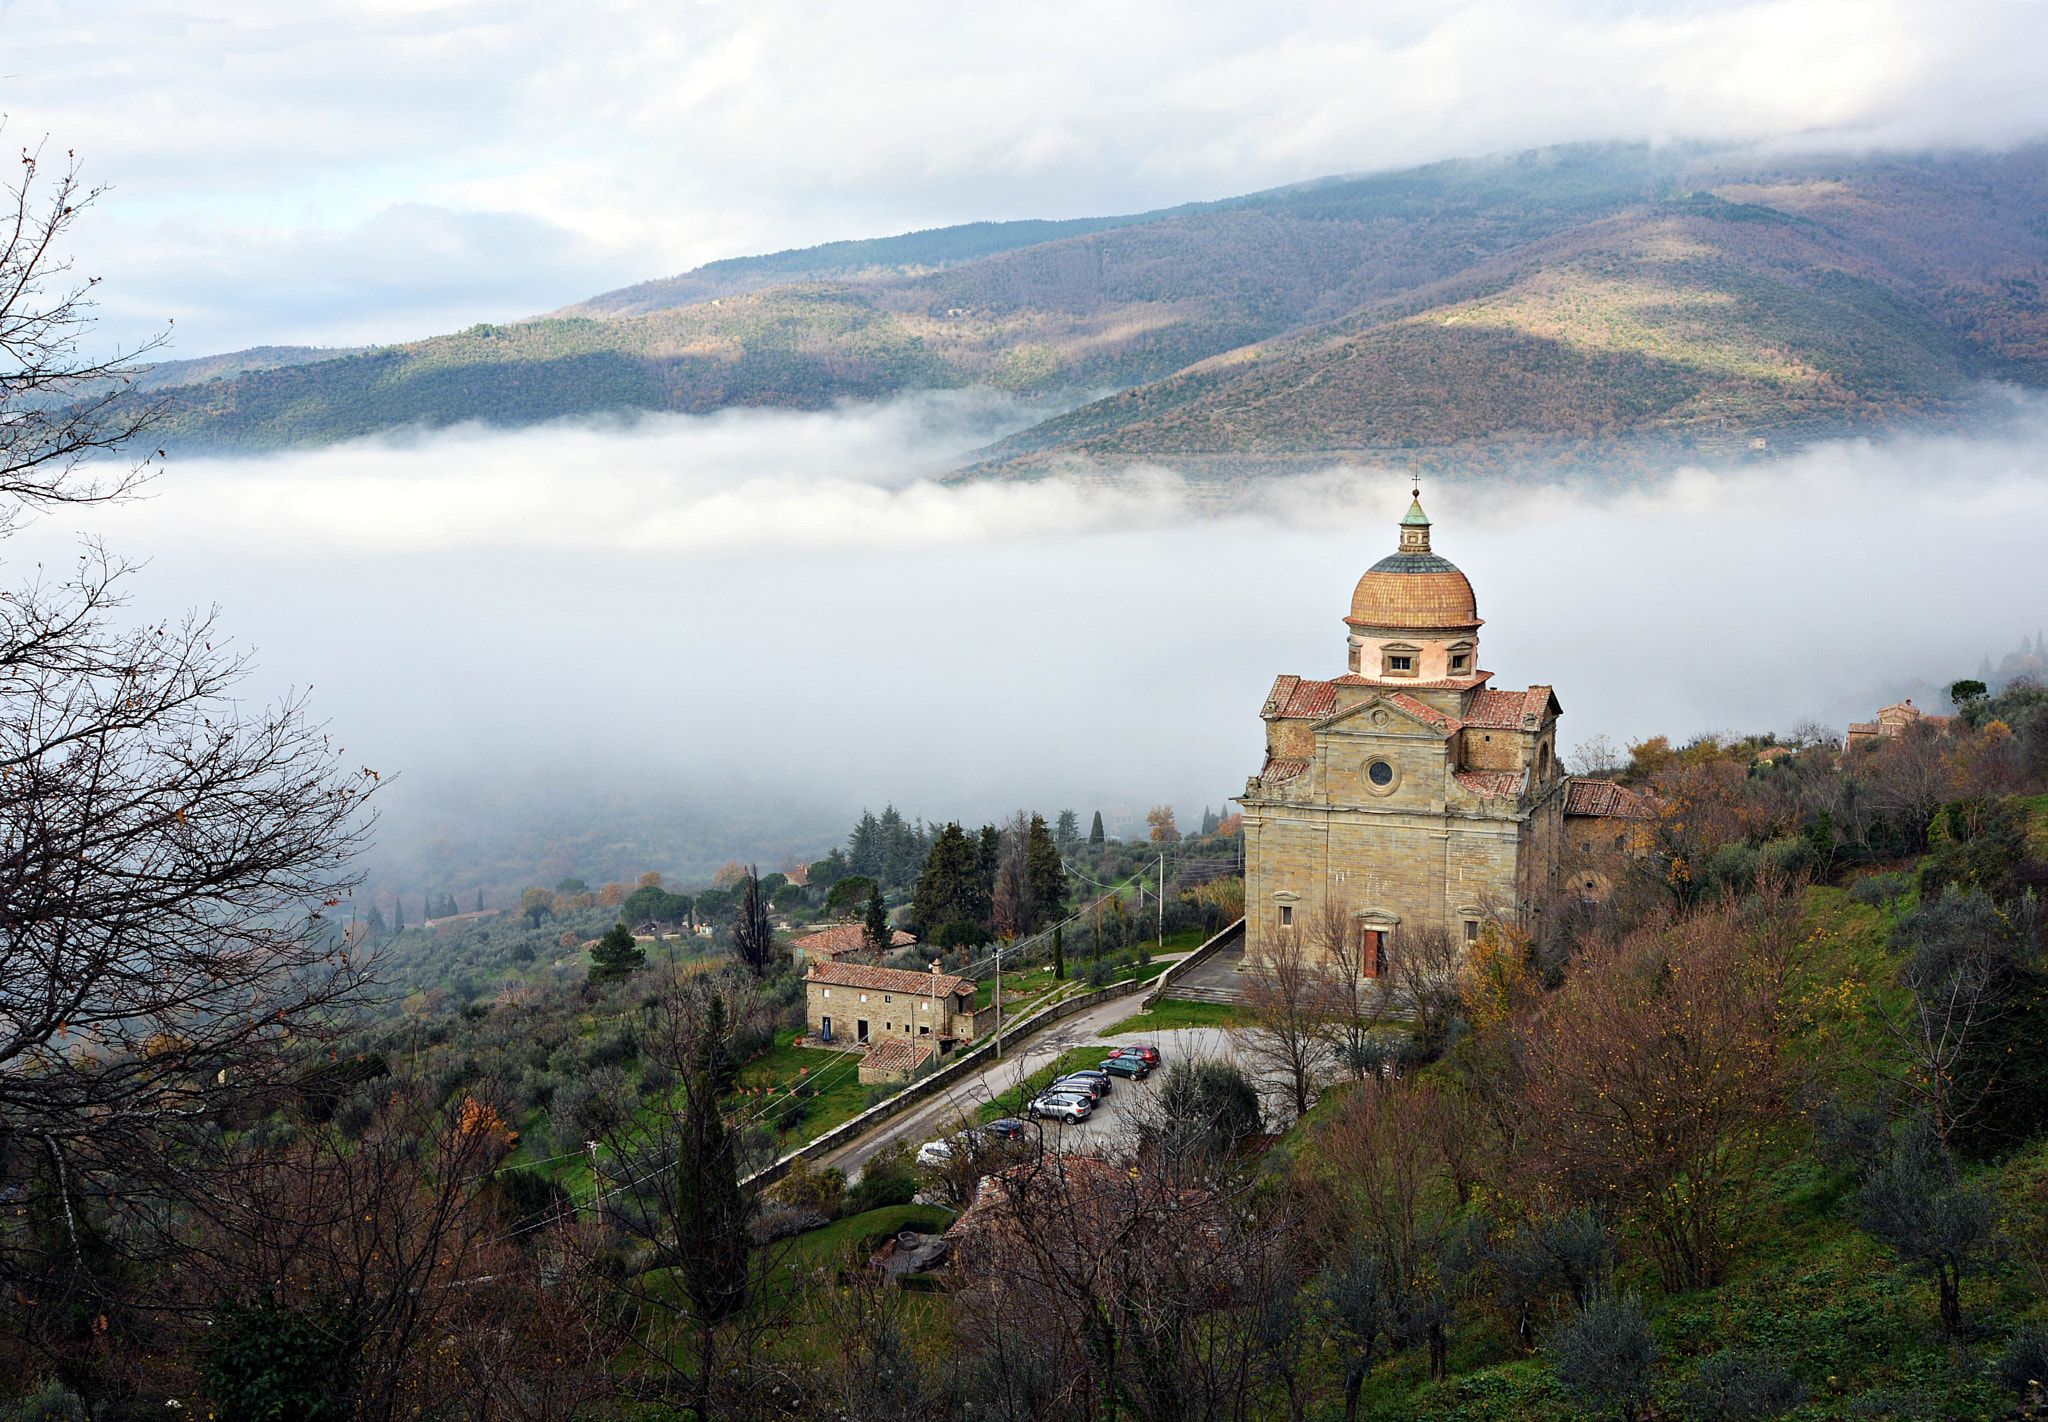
(1490, 784)
(1604, 798)
(1280, 769)
(1507, 710)
(1294, 699)
(1422, 711)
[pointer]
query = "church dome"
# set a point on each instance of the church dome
(1414, 587)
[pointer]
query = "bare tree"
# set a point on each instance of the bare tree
(753, 935)
(1357, 991)
(58, 408)
(173, 860)
(1286, 994)
(1426, 967)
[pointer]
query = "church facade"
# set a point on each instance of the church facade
(1408, 794)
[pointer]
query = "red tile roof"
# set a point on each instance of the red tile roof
(1422, 711)
(860, 975)
(1456, 683)
(1294, 699)
(1605, 798)
(1503, 710)
(847, 938)
(1278, 770)
(1490, 784)
(898, 1054)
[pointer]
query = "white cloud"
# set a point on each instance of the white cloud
(786, 598)
(628, 140)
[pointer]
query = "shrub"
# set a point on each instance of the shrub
(1606, 1357)
(656, 1078)
(2025, 1364)
(1737, 1386)
(263, 1360)
(1879, 891)
(889, 1178)
(810, 1187)
(52, 1402)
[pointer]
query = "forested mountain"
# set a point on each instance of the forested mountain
(1565, 295)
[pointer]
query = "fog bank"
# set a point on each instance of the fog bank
(770, 609)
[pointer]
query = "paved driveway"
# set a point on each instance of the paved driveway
(944, 1113)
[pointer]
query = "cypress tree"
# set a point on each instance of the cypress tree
(711, 1215)
(1044, 873)
(876, 931)
(1095, 836)
(753, 936)
(479, 900)
(615, 955)
(397, 913)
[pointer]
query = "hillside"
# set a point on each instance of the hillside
(1577, 295)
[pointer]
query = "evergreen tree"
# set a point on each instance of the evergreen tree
(948, 888)
(865, 851)
(713, 1058)
(1046, 875)
(376, 921)
(753, 936)
(1059, 954)
(615, 955)
(710, 1214)
(1095, 836)
(397, 914)
(988, 862)
(1067, 831)
(875, 933)
(479, 900)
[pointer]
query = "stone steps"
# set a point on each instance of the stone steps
(1229, 997)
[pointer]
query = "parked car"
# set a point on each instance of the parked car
(1007, 1129)
(1096, 1073)
(1147, 1052)
(1096, 1090)
(1132, 1067)
(1061, 1108)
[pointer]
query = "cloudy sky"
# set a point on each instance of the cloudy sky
(342, 171)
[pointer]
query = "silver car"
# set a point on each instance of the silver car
(1062, 1106)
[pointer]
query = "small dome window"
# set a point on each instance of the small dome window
(1380, 773)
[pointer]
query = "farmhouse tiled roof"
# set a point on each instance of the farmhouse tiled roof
(1605, 798)
(898, 1054)
(847, 938)
(1504, 710)
(861, 975)
(1294, 699)
(1491, 784)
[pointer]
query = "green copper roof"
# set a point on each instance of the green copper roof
(1415, 515)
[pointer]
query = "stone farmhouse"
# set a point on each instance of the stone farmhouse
(1408, 794)
(1892, 722)
(854, 1004)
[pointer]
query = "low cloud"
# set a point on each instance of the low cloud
(789, 607)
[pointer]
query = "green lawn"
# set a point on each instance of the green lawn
(824, 1246)
(1170, 1014)
(834, 1076)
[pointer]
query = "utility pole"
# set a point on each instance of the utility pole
(1162, 901)
(999, 1000)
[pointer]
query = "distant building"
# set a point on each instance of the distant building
(848, 1004)
(842, 939)
(1893, 721)
(1409, 793)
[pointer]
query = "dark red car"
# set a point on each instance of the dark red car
(1148, 1054)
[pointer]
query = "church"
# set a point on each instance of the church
(1410, 794)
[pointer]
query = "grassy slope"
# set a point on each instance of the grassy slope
(1588, 294)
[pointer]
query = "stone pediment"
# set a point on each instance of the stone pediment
(1390, 713)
